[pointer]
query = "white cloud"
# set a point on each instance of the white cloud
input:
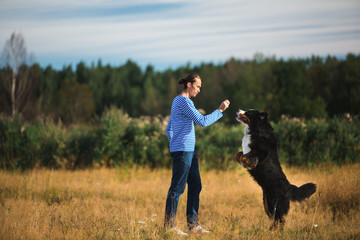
(182, 31)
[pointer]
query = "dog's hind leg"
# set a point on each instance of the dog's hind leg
(273, 226)
(281, 208)
(266, 207)
(271, 214)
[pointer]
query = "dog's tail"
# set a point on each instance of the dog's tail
(302, 192)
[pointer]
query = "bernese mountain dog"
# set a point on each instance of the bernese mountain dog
(260, 157)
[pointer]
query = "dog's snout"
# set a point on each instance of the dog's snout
(240, 112)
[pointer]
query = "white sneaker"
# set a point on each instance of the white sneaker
(177, 231)
(198, 229)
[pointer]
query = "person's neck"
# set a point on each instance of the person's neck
(185, 94)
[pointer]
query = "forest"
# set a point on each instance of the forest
(313, 87)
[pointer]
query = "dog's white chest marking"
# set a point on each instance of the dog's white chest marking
(246, 140)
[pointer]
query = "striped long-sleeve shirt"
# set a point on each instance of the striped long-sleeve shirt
(180, 129)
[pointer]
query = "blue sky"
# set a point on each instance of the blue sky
(172, 33)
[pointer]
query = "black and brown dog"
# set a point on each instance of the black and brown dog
(260, 157)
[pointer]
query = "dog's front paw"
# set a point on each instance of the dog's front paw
(238, 156)
(249, 162)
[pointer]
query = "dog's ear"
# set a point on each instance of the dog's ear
(263, 115)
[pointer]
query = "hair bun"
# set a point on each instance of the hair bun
(182, 81)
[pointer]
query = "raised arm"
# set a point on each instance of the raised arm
(203, 121)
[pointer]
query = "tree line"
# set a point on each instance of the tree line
(313, 87)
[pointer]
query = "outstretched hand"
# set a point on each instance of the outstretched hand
(224, 105)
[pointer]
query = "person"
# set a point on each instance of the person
(181, 134)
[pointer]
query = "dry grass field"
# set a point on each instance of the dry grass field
(129, 204)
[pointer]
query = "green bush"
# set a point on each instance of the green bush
(80, 148)
(314, 141)
(146, 143)
(117, 140)
(53, 144)
(18, 145)
(111, 131)
(126, 141)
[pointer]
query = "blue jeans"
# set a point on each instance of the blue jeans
(185, 170)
